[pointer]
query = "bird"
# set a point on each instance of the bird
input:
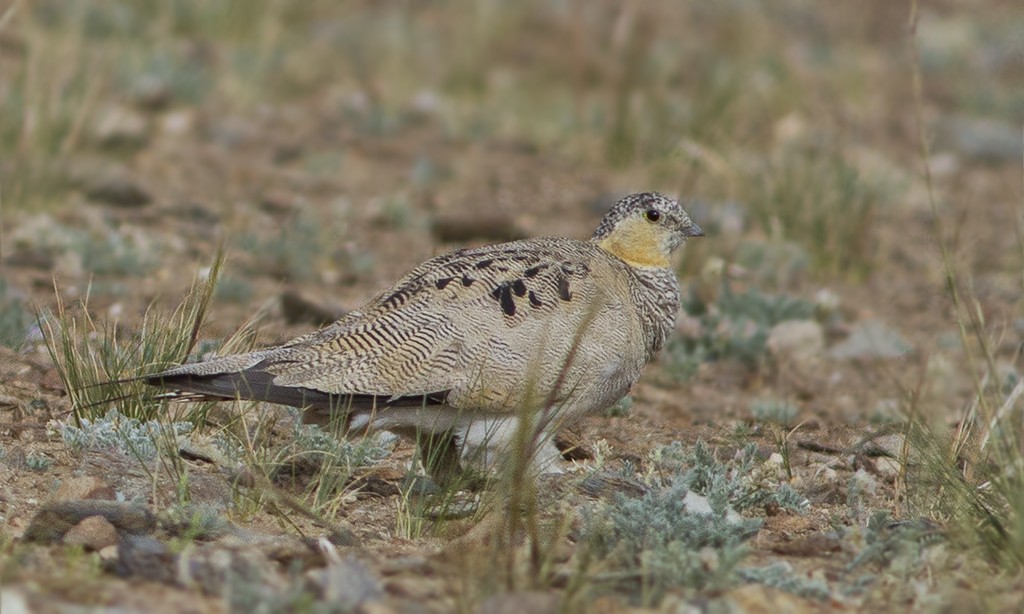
(475, 344)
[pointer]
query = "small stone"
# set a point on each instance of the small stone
(94, 533)
(891, 446)
(701, 506)
(144, 557)
(84, 487)
(31, 257)
(347, 583)
(799, 341)
(55, 519)
(151, 92)
(888, 468)
(120, 126)
(298, 309)
(177, 123)
(118, 189)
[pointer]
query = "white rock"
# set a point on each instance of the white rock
(796, 340)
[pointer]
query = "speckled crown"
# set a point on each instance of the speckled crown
(631, 205)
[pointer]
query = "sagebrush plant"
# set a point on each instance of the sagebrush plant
(783, 577)
(886, 539)
(38, 462)
(655, 542)
(189, 523)
(745, 487)
(118, 433)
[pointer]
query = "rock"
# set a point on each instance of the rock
(84, 487)
(55, 519)
(151, 92)
(521, 601)
(143, 557)
(886, 445)
(699, 505)
(799, 341)
(31, 257)
(177, 123)
(478, 226)
(119, 126)
(572, 446)
(888, 468)
(871, 339)
(865, 482)
(119, 189)
(94, 534)
(347, 583)
(298, 309)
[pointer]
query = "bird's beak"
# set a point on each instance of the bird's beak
(693, 230)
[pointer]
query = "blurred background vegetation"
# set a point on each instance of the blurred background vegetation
(800, 115)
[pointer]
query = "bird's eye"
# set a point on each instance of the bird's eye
(652, 215)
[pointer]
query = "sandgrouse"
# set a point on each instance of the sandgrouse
(471, 342)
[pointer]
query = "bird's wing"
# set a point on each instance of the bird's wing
(429, 331)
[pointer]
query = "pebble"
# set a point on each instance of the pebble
(799, 341)
(347, 583)
(94, 534)
(118, 189)
(84, 487)
(55, 519)
(296, 308)
(120, 126)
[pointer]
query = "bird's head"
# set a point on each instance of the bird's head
(644, 229)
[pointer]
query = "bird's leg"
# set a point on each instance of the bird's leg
(441, 455)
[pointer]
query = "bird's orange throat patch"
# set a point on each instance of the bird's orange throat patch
(637, 242)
